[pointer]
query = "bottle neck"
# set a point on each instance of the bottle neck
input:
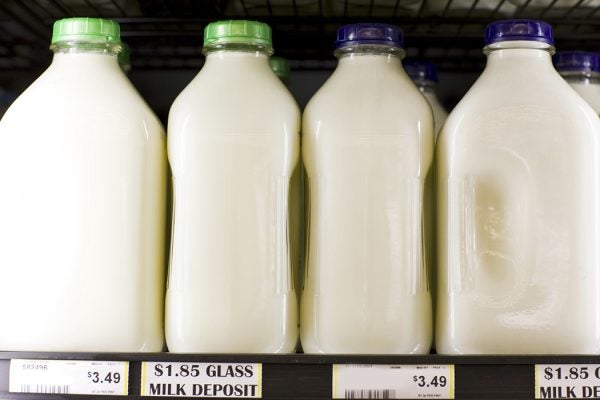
(522, 54)
(369, 50)
(86, 47)
(581, 77)
(370, 56)
(232, 59)
(97, 53)
(233, 55)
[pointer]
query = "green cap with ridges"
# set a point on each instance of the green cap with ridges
(238, 32)
(281, 67)
(94, 30)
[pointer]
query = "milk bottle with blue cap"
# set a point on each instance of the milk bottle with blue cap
(233, 144)
(518, 179)
(424, 75)
(83, 159)
(367, 148)
(581, 69)
(281, 68)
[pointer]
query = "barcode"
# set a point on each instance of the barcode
(370, 394)
(48, 389)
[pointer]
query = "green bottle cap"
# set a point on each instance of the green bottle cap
(123, 57)
(238, 32)
(94, 30)
(281, 67)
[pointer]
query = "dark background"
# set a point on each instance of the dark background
(165, 36)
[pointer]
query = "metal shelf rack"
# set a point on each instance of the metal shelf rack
(167, 34)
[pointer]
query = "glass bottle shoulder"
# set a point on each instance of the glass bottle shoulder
(387, 99)
(68, 95)
(546, 111)
(222, 101)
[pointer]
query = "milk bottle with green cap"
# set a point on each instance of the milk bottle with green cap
(581, 69)
(281, 67)
(367, 148)
(518, 186)
(233, 144)
(124, 58)
(83, 161)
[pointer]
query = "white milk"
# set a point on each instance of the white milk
(297, 233)
(367, 147)
(424, 75)
(588, 88)
(518, 185)
(582, 71)
(233, 144)
(439, 112)
(83, 161)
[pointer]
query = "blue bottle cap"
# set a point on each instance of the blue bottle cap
(519, 29)
(577, 61)
(421, 70)
(365, 33)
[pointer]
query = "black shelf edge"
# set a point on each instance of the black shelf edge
(309, 376)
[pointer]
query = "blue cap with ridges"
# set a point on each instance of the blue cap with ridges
(366, 33)
(577, 61)
(421, 70)
(519, 29)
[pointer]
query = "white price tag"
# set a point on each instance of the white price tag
(567, 381)
(393, 381)
(69, 377)
(201, 379)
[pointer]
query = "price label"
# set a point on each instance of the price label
(69, 377)
(572, 381)
(201, 380)
(393, 381)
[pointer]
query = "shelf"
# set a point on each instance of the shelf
(167, 34)
(310, 376)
